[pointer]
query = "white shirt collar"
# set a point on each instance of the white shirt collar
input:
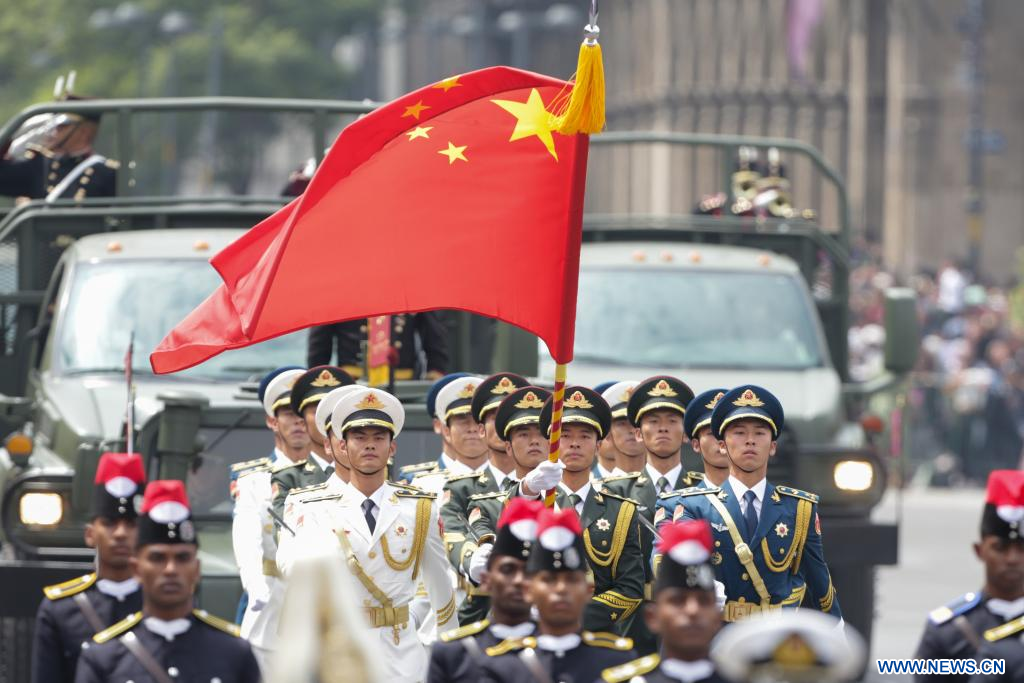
(117, 589)
(740, 489)
(559, 644)
(336, 483)
(672, 475)
(449, 461)
(167, 629)
(377, 496)
(687, 672)
(278, 455)
(320, 462)
(499, 476)
(603, 473)
(583, 492)
(505, 632)
(1007, 609)
(619, 471)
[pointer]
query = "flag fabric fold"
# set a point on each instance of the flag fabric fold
(460, 195)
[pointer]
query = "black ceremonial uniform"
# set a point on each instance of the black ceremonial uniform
(38, 172)
(649, 670)
(62, 628)
(209, 651)
(1004, 642)
(510, 661)
(458, 655)
(347, 339)
(954, 631)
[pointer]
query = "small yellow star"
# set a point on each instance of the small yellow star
(531, 119)
(415, 110)
(448, 83)
(454, 153)
(420, 132)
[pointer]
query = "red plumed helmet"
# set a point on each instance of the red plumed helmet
(686, 542)
(120, 474)
(1006, 493)
(557, 530)
(165, 501)
(521, 518)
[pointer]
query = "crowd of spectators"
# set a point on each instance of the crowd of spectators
(965, 409)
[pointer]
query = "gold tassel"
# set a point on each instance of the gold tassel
(583, 112)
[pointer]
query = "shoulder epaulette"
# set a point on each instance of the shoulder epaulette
(37, 149)
(407, 487)
(431, 473)
(465, 631)
(252, 470)
(611, 494)
(69, 588)
(308, 489)
(620, 477)
(465, 475)
(112, 163)
(690, 491)
(258, 462)
(624, 672)
(216, 622)
(964, 603)
(511, 645)
(797, 493)
(492, 494)
(418, 467)
(286, 464)
(695, 476)
(1008, 629)
(317, 499)
(414, 493)
(123, 626)
(608, 640)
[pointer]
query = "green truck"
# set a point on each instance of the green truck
(78, 278)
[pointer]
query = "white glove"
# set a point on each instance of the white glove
(720, 595)
(478, 561)
(259, 597)
(543, 477)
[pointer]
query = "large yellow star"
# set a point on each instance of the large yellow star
(531, 119)
(419, 132)
(415, 110)
(454, 153)
(448, 83)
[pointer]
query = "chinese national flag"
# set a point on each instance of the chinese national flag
(459, 195)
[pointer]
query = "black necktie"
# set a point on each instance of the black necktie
(663, 484)
(751, 514)
(574, 500)
(368, 514)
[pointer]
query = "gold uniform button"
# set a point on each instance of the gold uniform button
(372, 554)
(746, 576)
(718, 543)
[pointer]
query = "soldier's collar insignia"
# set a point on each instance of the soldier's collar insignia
(749, 399)
(467, 391)
(504, 386)
(715, 400)
(794, 652)
(577, 400)
(325, 379)
(662, 389)
(530, 400)
(781, 530)
(370, 402)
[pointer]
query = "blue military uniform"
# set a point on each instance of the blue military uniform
(409, 472)
(781, 563)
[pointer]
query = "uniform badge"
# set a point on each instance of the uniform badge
(577, 400)
(659, 515)
(483, 480)
(325, 379)
(504, 386)
(233, 489)
(662, 389)
(446, 497)
(188, 531)
(530, 400)
(715, 400)
(781, 530)
(275, 488)
(720, 528)
(677, 514)
(749, 398)
(817, 524)
(401, 530)
(370, 402)
(716, 558)
(604, 525)
(475, 515)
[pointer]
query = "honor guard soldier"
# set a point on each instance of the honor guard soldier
(445, 460)
(389, 534)
(517, 421)
(626, 449)
(684, 612)
(795, 646)
(52, 157)
(604, 465)
(457, 656)
(306, 393)
(655, 409)
(74, 611)
(461, 433)
(409, 334)
(996, 612)
(560, 590)
(497, 476)
(168, 640)
(768, 544)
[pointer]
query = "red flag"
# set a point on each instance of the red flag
(459, 195)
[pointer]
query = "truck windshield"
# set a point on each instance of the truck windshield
(110, 299)
(689, 318)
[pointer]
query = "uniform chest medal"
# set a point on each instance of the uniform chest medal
(781, 530)
(603, 524)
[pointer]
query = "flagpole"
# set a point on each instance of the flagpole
(130, 409)
(555, 443)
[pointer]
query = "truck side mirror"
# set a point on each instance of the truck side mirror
(179, 429)
(902, 333)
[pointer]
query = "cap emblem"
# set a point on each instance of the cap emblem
(467, 391)
(715, 400)
(749, 399)
(626, 394)
(504, 386)
(662, 389)
(325, 379)
(530, 400)
(578, 400)
(795, 652)
(370, 402)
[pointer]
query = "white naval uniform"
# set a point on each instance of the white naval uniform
(319, 525)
